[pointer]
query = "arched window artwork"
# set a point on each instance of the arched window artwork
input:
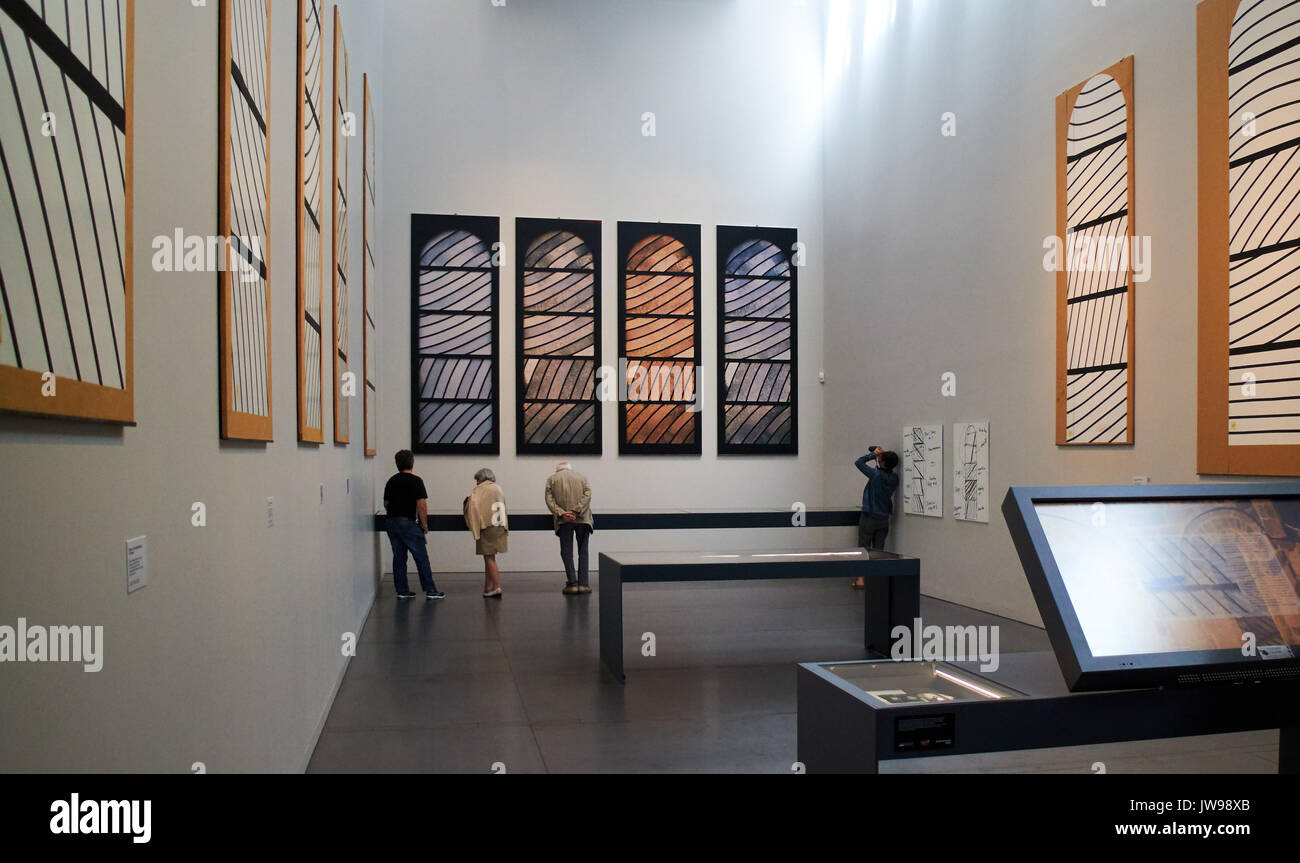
(1249, 186)
(757, 341)
(1095, 302)
(65, 210)
(243, 217)
(311, 367)
(659, 338)
(341, 247)
(454, 321)
(558, 302)
(368, 283)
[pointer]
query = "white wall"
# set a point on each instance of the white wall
(534, 109)
(231, 655)
(935, 249)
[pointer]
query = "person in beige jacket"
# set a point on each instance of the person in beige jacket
(485, 513)
(568, 497)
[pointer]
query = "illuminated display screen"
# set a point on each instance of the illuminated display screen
(1150, 577)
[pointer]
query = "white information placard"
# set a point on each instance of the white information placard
(137, 564)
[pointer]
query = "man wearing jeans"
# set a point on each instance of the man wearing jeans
(568, 497)
(407, 505)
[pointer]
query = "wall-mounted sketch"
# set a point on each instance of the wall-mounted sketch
(659, 336)
(558, 347)
(66, 342)
(310, 270)
(1248, 418)
(758, 366)
(243, 217)
(922, 457)
(1095, 301)
(970, 472)
(368, 284)
(454, 334)
(343, 132)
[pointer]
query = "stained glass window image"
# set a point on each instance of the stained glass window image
(454, 321)
(558, 302)
(659, 337)
(757, 315)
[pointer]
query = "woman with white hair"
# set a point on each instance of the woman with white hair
(485, 513)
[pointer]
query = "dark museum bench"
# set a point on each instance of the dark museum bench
(667, 519)
(893, 594)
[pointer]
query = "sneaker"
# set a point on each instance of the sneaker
(406, 596)
(437, 595)
(571, 590)
(582, 588)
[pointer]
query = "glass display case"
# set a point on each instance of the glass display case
(915, 682)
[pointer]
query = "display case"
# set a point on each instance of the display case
(1153, 586)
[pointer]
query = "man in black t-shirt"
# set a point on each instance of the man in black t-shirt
(407, 505)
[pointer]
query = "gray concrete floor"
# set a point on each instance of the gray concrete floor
(469, 685)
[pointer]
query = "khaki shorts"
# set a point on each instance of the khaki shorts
(491, 540)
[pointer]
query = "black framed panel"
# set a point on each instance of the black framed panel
(758, 344)
(1162, 585)
(658, 338)
(558, 347)
(455, 334)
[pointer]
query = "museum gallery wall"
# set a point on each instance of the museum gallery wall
(343, 122)
(368, 284)
(758, 324)
(311, 367)
(454, 334)
(1249, 217)
(659, 335)
(558, 321)
(243, 218)
(66, 264)
(1095, 218)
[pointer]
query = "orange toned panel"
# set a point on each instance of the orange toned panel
(660, 337)
(660, 254)
(660, 295)
(660, 424)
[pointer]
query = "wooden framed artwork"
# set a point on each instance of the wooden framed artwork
(758, 338)
(66, 298)
(368, 283)
(659, 337)
(455, 334)
(558, 351)
(343, 131)
(1095, 201)
(1248, 407)
(310, 270)
(243, 219)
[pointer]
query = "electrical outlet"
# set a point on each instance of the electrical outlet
(270, 512)
(1142, 480)
(322, 492)
(349, 485)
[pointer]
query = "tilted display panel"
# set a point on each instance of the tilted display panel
(455, 334)
(1095, 378)
(658, 338)
(1248, 117)
(66, 337)
(758, 341)
(243, 219)
(558, 349)
(310, 272)
(1164, 585)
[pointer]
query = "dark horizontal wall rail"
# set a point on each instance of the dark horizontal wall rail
(659, 520)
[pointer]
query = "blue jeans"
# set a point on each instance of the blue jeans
(405, 535)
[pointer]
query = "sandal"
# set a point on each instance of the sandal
(493, 594)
